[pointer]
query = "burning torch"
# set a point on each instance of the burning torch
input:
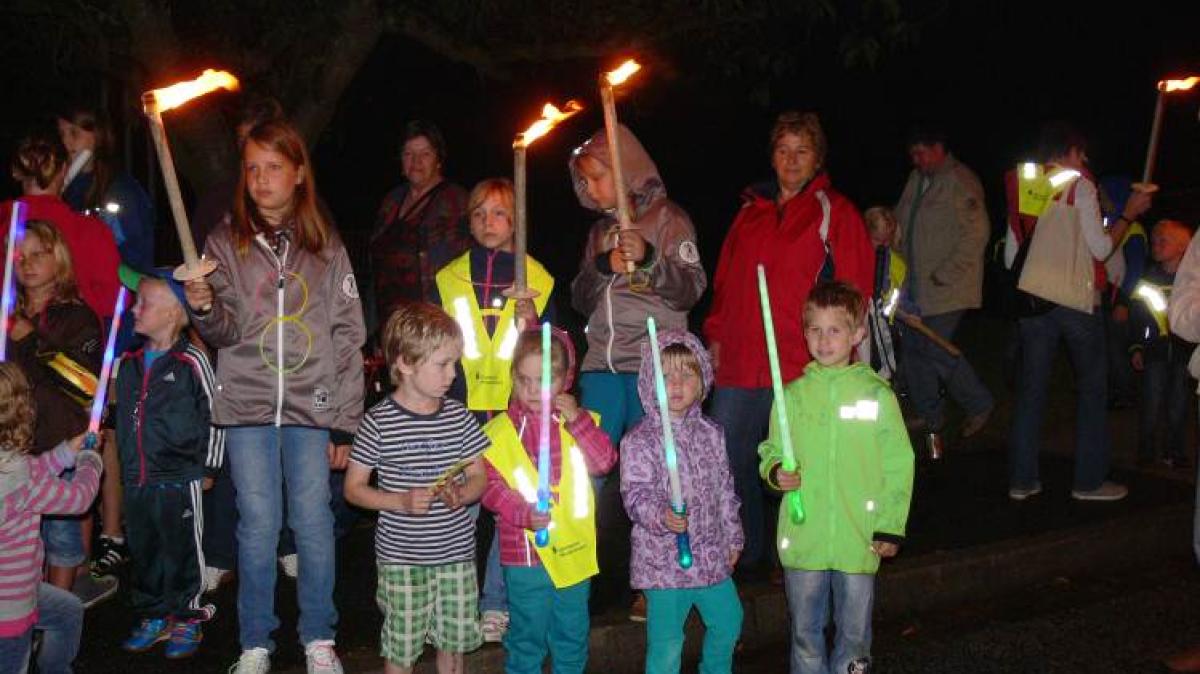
(1164, 87)
(609, 81)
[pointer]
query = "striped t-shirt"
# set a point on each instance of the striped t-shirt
(408, 451)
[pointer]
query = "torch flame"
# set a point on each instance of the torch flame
(178, 94)
(623, 72)
(551, 116)
(1168, 86)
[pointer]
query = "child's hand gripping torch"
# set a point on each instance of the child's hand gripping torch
(683, 542)
(794, 503)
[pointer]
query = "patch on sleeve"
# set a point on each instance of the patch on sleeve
(320, 398)
(350, 286)
(689, 253)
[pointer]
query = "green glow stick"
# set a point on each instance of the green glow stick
(683, 543)
(795, 505)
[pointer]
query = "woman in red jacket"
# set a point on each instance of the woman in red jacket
(800, 230)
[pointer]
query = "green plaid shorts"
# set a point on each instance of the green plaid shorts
(438, 605)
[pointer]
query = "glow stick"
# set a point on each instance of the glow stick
(542, 537)
(105, 371)
(683, 542)
(795, 506)
(8, 295)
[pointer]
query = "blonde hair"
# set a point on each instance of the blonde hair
(413, 332)
(65, 289)
(181, 316)
(530, 344)
(837, 295)
(680, 357)
(16, 412)
(878, 217)
(501, 188)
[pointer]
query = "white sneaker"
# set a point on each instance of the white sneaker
(494, 625)
(290, 565)
(213, 577)
(253, 661)
(321, 658)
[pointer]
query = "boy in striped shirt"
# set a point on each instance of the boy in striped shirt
(426, 451)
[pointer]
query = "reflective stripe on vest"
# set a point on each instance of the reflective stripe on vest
(487, 360)
(571, 555)
(1036, 186)
(1155, 298)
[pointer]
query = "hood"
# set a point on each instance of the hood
(646, 374)
(563, 337)
(642, 182)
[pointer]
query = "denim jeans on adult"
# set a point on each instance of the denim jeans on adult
(1040, 335)
(809, 594)
(60, 620)
(744, 414)
(1166, 386)
(493, 595)
(267, 463)
(928, 366)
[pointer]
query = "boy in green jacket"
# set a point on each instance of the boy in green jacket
(855, 460)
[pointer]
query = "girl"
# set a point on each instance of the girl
(56, 340)
(29, 488)
(282, 309)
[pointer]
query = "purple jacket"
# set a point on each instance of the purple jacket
(704, 477)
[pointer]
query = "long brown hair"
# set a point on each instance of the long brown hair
(104, 155)
(40, 157)
(16, 412)
(311, 230)
(65, 289)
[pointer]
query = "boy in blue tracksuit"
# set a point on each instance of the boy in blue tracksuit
(168, 451)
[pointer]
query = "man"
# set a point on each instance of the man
(944, 230)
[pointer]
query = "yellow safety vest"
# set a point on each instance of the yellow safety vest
(571, 555)
(1036, 186)
(897, 270)
(487, 361)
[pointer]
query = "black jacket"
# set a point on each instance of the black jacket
(164, 417)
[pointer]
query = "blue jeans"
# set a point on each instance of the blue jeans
(1165, 385)
(268, 463)
(667, 613)
(1084, 335)
(744, 413)
(60, 620)
(62, 536)
(927, 366)
(809, 594)
(545, 620)
(494, 596)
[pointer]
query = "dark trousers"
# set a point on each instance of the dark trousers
(1165, 386)
(164, 527)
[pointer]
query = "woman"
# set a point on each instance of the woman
(419, 227)
(102, 189)
(800, 230)
(282, 309)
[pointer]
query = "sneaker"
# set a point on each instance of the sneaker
(321, 658)
(975, 423)
(253, 661)
(110, 554)
(148, 633)
(185, 640)
(494, 624)
(1021, 493)
(290, 565)
(92, 591)
(637, 612)
(1108, 491)
(214, 578)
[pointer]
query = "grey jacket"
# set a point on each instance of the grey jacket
(616, 314)
(311, 373)
(944, 239)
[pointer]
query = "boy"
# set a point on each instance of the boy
(856, 463)
(1159, 355)
(425, 540)
(168, 451)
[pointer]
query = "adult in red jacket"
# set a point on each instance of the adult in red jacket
(800, 230)
(40, 165)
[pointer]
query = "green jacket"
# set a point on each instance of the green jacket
(856, 468)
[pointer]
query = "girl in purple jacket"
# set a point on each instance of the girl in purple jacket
(712, 512)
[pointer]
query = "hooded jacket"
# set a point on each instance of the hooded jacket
(617, 314)
(856, 468)
(787, 241)
(706, 483)
(317, 380)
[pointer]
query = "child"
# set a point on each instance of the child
(282, 309)
(854, 457)
(711, 518)
(1159, 355)
(471, 289)
(30, 488)
(548, 586)
(425, 539)
(56, 339)
(167, 449)
(890, 271)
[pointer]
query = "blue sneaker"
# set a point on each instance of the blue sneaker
(185, 640)
(149, 632)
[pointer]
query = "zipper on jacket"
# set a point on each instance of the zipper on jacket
(612, 330)
(141, 416)
(280, 262)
